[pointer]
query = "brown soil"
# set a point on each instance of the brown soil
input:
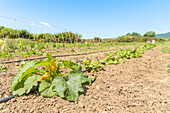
(138, 85)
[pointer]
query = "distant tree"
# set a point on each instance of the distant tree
(68, 37)
(136, 34)
(23, 33)
(149, 34)
(1, 27)
(128, 34)
(8, 33)
(96, 39)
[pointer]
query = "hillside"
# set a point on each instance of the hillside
(163, 35)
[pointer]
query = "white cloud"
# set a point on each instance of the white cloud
(32, 24)
(46, 24)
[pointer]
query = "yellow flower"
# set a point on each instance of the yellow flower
(39, 40)
(45, 76)
(52, 66)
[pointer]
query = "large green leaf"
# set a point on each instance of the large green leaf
(68, 89)
(74, 84)
(19, 92)
(30, 83)
(45, 89)
(59, 86)
(24, 72)
(84, 79)
(25, 87)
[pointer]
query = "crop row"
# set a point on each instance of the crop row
(46, 75)
(11, 48)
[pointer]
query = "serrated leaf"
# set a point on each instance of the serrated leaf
(30, 83)
(84, 79)
(69, 89)
(74, 86)
(74, 83)
(59, 86)
(24, 72)
(45, 89)
(19, 92)
(26, 85)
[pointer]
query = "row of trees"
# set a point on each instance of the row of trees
(59, 37)
(136, 37)
(70, 37)
(130, 37)
(11, 33)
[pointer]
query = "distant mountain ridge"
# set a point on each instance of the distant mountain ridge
(163, 35)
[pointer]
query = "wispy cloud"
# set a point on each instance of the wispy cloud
(32, 24)
(46, 24)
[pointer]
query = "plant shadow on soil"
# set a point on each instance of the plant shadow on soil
(36, 93)
(85, 91)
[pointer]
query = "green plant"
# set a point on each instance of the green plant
(92, 66)
(165, 46)
(40, 46)
(110, 59)
(168, 68)
(6, 54)
(32, 45)
(72, 50)
(22, 46)
(3, 69)
(123, 54)
(25, 54)
(54, 45)
(47, 45)
(136, 53)
(148, 46)
(50, 81)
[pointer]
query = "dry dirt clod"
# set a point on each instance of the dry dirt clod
(81, 104)
(97, 87)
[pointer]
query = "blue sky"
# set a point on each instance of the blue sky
(103, 18)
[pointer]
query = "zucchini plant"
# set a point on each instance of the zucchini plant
(91, 65)
(49, 80)
(46, 75)
(110, 59)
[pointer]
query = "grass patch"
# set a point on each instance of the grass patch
(165, 46)
(168, 68)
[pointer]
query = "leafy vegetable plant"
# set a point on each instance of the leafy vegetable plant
(168, 68)
(91, 65)
(49, 80)
(3, 68)
(148, 46)
(46, 75)
(72, 51)
(110, 59)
